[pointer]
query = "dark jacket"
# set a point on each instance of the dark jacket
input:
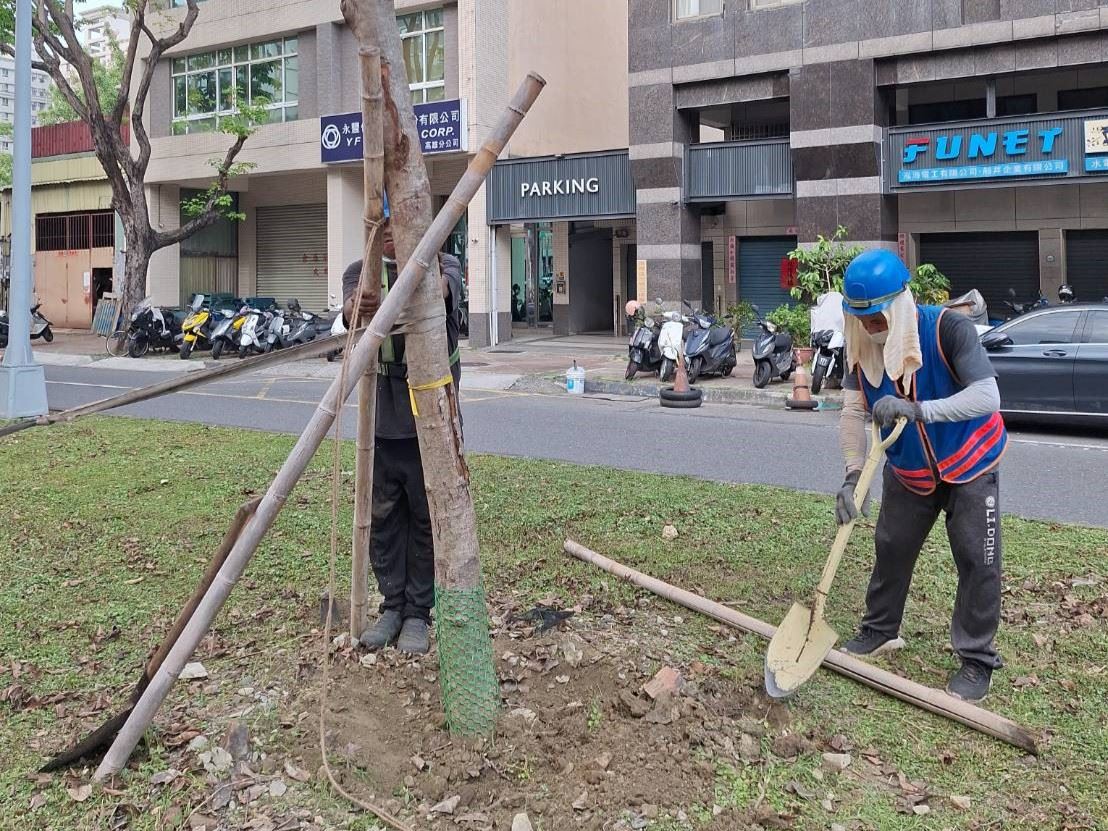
(394, 411)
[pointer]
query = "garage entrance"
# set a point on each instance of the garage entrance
(761, 262)
(591, 295)
(1087, 264)
(991, 263)
(292, 255)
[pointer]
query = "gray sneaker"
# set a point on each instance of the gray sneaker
(415, 637)
(383, 632)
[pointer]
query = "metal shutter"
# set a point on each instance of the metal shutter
(759, 275)
(292, 254)
(1087, 264)
(991, 263)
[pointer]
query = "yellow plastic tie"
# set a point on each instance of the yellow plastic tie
(445, 380)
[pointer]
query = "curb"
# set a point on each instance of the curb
(715, 395)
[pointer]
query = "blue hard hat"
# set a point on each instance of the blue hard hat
(872, 280)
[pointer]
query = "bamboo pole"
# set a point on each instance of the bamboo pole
(912, 692)
(313, 435)
(373, 176)
(316, 349)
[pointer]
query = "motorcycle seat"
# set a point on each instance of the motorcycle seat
(782, 342)
(721, 334)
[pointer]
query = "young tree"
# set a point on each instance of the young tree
(58, 52)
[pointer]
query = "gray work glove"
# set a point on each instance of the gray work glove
(890, 409)
(845, 509)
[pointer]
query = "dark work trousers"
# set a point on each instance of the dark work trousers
(401, 548)
(973, 529)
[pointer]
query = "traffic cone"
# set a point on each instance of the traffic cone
(802, 391)
(681, 377)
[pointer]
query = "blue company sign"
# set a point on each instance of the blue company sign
(441, 125)
(990, 155)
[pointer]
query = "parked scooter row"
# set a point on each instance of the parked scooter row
(40, 326)
(656, 341)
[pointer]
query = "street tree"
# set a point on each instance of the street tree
(59, 52)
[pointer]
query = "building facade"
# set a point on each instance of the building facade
(100, 26)
(40, 97)
(303, 197)
(972, 134)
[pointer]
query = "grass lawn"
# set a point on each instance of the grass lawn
(107, 523)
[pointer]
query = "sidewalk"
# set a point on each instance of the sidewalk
(535, 364)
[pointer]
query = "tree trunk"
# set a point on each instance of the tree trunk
(136, 264)
(470, 690)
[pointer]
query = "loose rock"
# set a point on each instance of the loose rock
(521, 822)
(837, 761)
(193, 672)
(447, 806)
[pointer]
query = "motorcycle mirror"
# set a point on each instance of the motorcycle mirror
(1012, 293)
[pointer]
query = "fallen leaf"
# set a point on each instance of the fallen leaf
(799, 789)
(837, 761)
(294, 772)
(962, 803)
(164, 777)
(447, 806)
(193, 671)
(1025, 681)
(921, 810)
(38, 801)
(80, 793)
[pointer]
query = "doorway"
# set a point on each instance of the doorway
(707, 279)
(591, 295)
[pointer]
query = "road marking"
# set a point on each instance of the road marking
(1103, 448)
(97, 386)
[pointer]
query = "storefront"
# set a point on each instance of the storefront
(1006, 204)
(571, 238)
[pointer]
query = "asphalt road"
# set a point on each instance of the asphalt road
(1047, 473)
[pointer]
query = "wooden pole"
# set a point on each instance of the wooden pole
(926, 698)
(373, 177)
(313, 435)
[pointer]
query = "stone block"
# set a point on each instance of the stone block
(862, 216)
(850, 161)
(656, 173)
(893, 18)
(1048, 202)
(992, 204)
(649, 47)
(810, 101)
(703, 40)
(833, 22)
(1063, 6)
(649, 13)
(770, 213)
(995, 60)
(853, 93)
(1094, 201)
(998, 31)
(1083, 49)
(769, 30)
(1079, 21)
(928, 206)
(946, 14)
(653, 114)
(813, 163)
(976, 11)
(896, 45)
(815, 216)
(1016, 9)
(1041, 54)
(691, 73)
(1033, 27)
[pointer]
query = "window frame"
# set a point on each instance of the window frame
(1091, 316)
(217, 63)
(1076, 333)
(423, 86)
(678, 18)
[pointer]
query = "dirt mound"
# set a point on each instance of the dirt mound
(581, 743)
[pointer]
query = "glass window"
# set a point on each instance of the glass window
(1098, 327)
(1053, 327)
(209, 84)
(423, 40)
(683, 9)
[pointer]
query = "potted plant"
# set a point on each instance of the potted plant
(797, 321)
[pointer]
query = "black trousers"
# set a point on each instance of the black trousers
(402, 549)
(973, 529)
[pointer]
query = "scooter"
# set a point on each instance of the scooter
(253, 332)
(196, 329)
(40, 326)
(310, 326)
(643, 354)
(773, 353)
(670, 341)
(279, 330)
(1017, 309)
(972, 305)
(226, 332)
(152, 328)
(827, 325)
(709, 346)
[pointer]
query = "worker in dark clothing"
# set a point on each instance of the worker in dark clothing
(401, 547)
(924, 364)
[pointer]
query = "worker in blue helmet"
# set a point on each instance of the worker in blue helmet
(924, 364)
(402, 550)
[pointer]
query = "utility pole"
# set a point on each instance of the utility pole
(22, 381)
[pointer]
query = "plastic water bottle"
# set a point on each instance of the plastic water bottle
(575, 380)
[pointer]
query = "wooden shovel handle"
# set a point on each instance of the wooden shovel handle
(245, 511)
(876, 452)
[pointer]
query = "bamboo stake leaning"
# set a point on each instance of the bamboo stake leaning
(926, 698)
(373, 184)
(313, 435)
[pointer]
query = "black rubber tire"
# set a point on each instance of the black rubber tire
(762, 373)
(670, 394)
(48, 334)
(116, 344)
(186, 350)
(785, 376)
(667, 370)
(242, 352)
(137, 347)
(727, 370)
(333, 356)
(217, 349)
(818, 372)
(632, 370)
(801, 405)
(695, 365)
(681, 405)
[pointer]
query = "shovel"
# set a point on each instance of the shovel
(803, 639)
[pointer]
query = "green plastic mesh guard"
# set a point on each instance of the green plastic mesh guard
(467, 672)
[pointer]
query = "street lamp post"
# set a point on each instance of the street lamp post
(22, 381)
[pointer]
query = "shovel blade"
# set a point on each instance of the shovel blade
(796, 651)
